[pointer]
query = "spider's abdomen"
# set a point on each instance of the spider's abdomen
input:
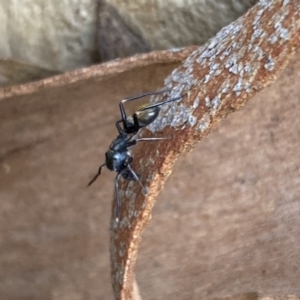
(147, 116)
(144, 117)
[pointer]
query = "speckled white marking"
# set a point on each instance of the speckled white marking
(207, 102)
(206, 78)
(247, 68)
(196, 103)
(192, 120)
(150, 178)
(264, 3)
(144, 205)
(285, 2)
(124, 223)
(232, 61)
(273, 38)
(122, 249)
(176, 49)
(204, 122)
(260, 54)
(284, 33)
(270, 63)
(145, 191)
(234, 69)
(215, 105)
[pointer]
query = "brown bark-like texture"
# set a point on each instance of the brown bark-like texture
(218, 78)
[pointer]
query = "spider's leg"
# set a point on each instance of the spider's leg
(135, 176)
(118, 204)
(120, 129)
(134, 142)
(96, 175)
(152, 139)
(161, 103)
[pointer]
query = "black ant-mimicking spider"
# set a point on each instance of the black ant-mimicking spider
(118, 158)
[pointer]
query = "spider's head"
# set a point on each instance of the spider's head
(115, 160)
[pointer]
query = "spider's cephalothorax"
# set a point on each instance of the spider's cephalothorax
(118, 158)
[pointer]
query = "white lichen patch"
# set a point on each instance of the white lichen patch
(136, 213)
(174, 50)
(129, 192)
(215, 104)
(247, 68)
(273, 38)
(258, 52)
(196, 103)
(285, 2)
(231, 63)
(192, 120)
(204, 122)
(131, 207)
(207, 102)
(119, 270)
(226, 52)
(122, 249)
(283, 32)
(225, 87)
(206, 78)
(150, 161)
(144, 205)
(131, 196)
(124, 223)
(145, 191)
(270, 64)
(265, 4)
(122, 193)
(150, 178)
(119, 277)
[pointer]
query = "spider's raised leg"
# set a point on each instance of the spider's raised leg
(135, 176)
(152, 139)
(96, 175)
(160, 103)
(134, 142)
(120, 129)
(118, 204)
(129, 174)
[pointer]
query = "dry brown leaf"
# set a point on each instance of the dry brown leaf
(102, 71)
(219, 78)
(15, 72)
